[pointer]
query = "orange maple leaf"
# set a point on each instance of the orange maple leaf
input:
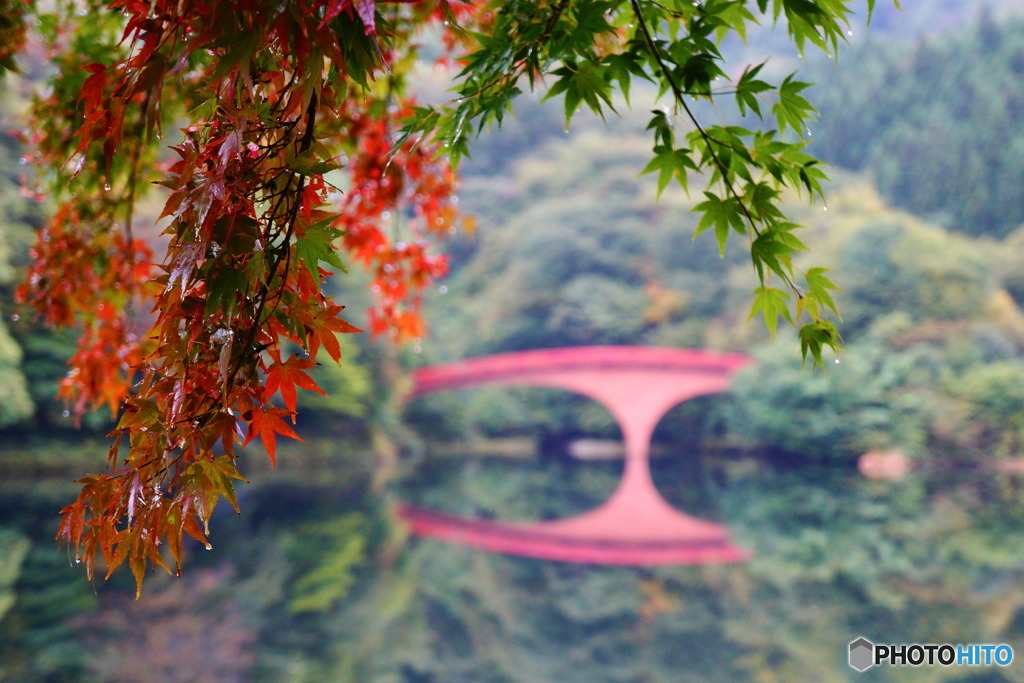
(286, 376)
(321, 326)
(267, 424)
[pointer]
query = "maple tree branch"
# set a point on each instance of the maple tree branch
(680, 98)
(305, 142)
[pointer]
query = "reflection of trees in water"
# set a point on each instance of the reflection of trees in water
(931, 557)
(511, 488)
(927, 558)
(516, 463)
(165, 636)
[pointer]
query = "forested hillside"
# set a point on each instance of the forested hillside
(316, 581)
(937, 122)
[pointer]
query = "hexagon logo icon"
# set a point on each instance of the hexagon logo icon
(862, 654)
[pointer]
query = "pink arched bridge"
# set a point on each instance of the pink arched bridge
(635, 526)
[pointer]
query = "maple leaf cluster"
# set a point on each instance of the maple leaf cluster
(85, 277)
(382, 181)
(282, 103)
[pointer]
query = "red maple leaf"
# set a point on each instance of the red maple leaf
(286, 376)
(267, 424)
(322, 324)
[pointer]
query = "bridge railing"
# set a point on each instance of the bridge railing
(515, 364)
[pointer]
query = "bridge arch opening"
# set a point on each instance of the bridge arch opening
(682, 450)
(513, 453)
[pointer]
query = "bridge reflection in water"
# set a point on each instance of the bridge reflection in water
(635, 526)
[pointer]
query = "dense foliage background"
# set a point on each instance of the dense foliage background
(315, 581)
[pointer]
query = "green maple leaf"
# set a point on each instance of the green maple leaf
(771, 303)
(792, 109)
(814, 337)
(818, 286)
(314, 246)
(581, 83)
(722, 214)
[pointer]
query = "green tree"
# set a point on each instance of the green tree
(16, 218)
(963, 88)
